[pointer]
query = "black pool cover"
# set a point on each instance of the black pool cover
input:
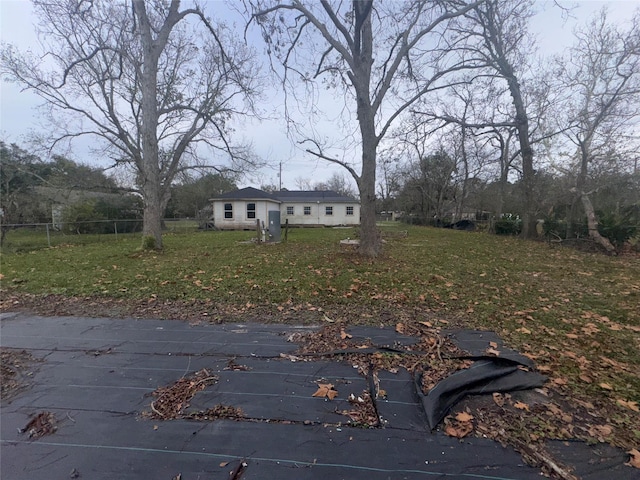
(96, 376)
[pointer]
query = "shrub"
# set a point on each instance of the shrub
(148, 243)
(554, 227)
(509, 224)
(619, 227)
(82, 218)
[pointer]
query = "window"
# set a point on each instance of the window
(289, 210)
(228, 210)
(328, 210)
(349, 210)
(307, 210)
(251, 210)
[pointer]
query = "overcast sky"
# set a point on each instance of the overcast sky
(19, 116)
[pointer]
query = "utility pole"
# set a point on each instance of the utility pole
(280, 178)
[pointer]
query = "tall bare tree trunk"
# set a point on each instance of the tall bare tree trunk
(526, 152)
(592, 224)
(370, 243)
(148, 164)
(581, 180)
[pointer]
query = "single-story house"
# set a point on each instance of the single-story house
(240, 209)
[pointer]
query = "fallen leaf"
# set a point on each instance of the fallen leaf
(325, 390)
(629, 404)
(493, 344)
(586, 378)
(224, 464)
(426, 324)
(400, 327)
(464, 417)
(493, 351)
(606, 386)
(634, 461)
(560, 381)
(344, 335)
(572, 336)
(524, 330)
(553, 408)
(521, 406)
(460, 431)
(499, 399)
(600, 431)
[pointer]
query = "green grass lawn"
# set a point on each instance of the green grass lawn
(577, 314)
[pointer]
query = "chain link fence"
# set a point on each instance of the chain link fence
(33, 236)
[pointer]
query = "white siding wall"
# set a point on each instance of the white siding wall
(240, 219)
(318, 214)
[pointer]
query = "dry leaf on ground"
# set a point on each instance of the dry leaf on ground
(634, 461)
(344, 335)
(628, 404)
(464, 417)
(325, 390)
(458, 429)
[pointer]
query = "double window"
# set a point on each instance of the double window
(228, 210)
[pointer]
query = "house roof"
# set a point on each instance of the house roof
(299, 196)
(248, 193)
(324, 196)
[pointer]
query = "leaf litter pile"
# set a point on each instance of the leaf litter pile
(14, 366)
(172, 401)
(522, 420)
(433, 353)
(41, 424)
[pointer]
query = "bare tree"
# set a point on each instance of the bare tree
(601, 76)
(338, 183)
(304, 183)
(497, 33)
(381, 56)
(156, 84)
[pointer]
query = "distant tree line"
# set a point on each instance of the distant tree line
(81, 199)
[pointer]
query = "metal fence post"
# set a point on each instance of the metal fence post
(115, 229)
(48, 236)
